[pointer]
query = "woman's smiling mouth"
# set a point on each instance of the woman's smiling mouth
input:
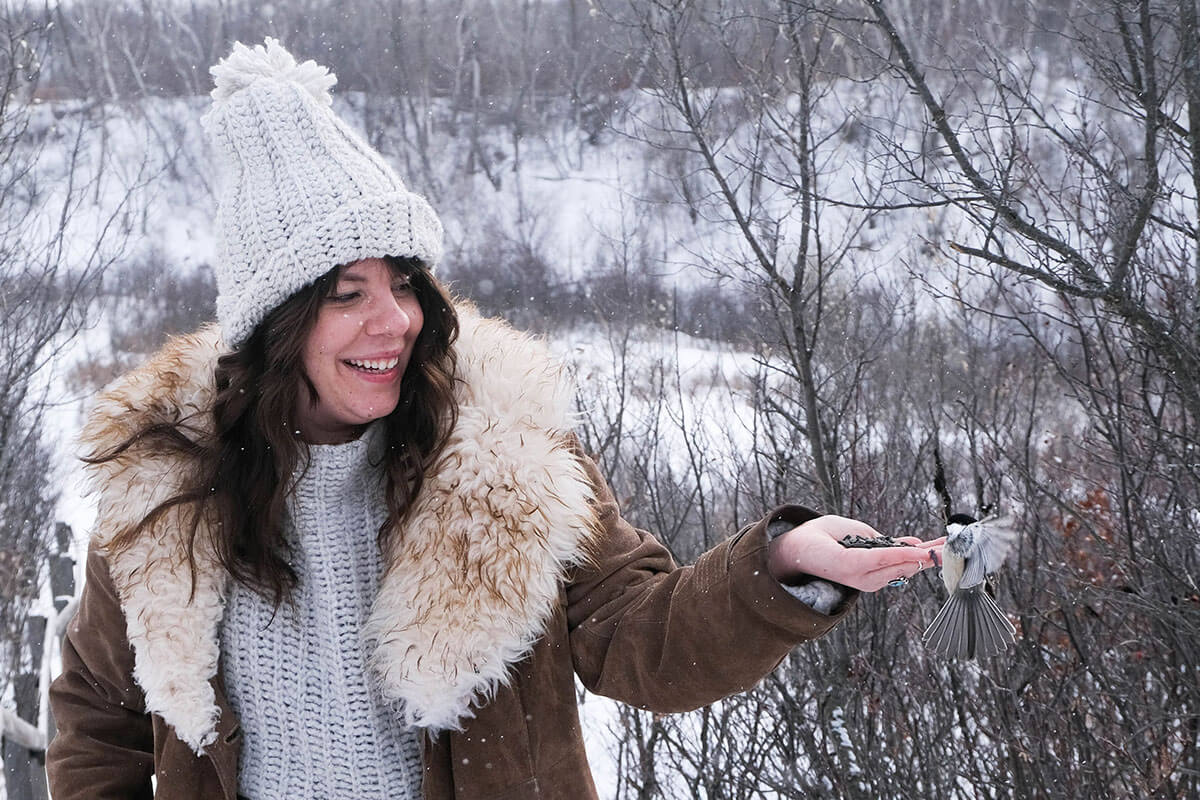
(374, 366)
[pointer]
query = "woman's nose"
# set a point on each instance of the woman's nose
(387, 318)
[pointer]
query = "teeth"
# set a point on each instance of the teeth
(374, 364)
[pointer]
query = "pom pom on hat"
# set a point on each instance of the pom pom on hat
(268, 61)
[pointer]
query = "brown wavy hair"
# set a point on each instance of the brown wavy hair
(240, 484)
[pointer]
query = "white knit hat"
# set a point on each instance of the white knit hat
(300, 191)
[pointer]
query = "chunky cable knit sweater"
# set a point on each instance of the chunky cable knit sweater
(313, 721)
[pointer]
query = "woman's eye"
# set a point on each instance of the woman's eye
(402, 288)
(343, 298)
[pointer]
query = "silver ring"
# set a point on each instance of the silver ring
(898, 583)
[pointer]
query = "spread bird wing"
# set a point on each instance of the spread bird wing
(993, 539)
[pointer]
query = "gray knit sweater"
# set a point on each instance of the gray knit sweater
(313, 721)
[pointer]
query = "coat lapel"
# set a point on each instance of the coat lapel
(469, 583)
(475, 574)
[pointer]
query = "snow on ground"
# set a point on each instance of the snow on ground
(598, 719)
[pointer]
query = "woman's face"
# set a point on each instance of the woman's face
(358, 350)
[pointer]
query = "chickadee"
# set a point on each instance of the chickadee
(971, 625)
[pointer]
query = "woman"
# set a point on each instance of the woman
(346, 544)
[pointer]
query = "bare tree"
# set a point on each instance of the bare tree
(1081, 211)
(47, 288)
(1119, 175)
(753, 157)
(1055, 377)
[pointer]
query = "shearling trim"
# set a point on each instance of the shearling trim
(470, 581)
(175, 640)
(475, 574)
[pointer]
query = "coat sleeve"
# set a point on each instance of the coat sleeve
(104, 745)
(667, 638)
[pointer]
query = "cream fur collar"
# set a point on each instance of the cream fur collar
(467, 589)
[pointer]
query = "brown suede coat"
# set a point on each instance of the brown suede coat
(626, 619)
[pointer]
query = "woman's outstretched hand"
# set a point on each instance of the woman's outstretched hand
(814, 549)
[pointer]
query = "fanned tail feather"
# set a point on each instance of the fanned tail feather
(970, 625)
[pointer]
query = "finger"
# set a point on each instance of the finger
(860, 569)
(917, 541)
(892, 570)
(916, 557)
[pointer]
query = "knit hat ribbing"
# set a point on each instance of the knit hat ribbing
(300, 191)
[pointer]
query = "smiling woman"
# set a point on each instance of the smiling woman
(347, 544)
(357, 352)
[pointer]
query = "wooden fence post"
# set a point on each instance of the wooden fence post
(24, 768)
(62, 568)
(62, 587)
(24, 739)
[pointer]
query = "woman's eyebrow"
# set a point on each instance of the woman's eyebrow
(399, 277)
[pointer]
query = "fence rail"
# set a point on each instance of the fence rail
(20, 732)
